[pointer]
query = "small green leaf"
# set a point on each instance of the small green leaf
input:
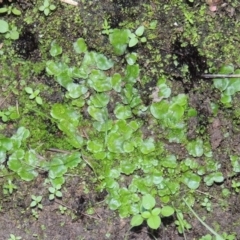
(72, 160)
(145, 214)
(226, 69)
(128, 168)
(14, 161)
(39, 100)
(102, 62)
(195, 148)
(15, 11)
(3, 26)
(226, 99)
(56, 168)
(46, 11)
(54, 68)
(159, 109)
(51, 196)
(6, 143)
(51, 189)
(147, 146)
(56, 49)
(3, 10)
(61, 112)
(116, 81)
(131, 58)
(114, 204)
(28, 90)
(115, 142)
(80, 46)
(148, 202)
(167, 211)
(39, 199)
(191, 180)
(3, 156)
(235, 161)
(99, 114)
(136, 220)
(123, 112)
(128, 146)
(52, 7)
(59, 194)
(57, 181)
(133, 42)
(27, 173)
(76, 90)
(99, 100)
(143, 39)
(156, 211)
(99, 81)
(221, 84)
(94, 146)
(41, 8)
(33, 204)
(170, 161)
(119, 39)
(140, 30)
(63, 77)
(176, 111)
(213, 177)
(154, 222)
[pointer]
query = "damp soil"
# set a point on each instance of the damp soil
(77, 223)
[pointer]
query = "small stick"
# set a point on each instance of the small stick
(76, 211)
(58, 150)
(220, 75)
(71, 2)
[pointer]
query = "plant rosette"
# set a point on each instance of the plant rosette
(150, 213)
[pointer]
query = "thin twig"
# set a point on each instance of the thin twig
(10, 174)
(220, 75)
(89, 164)
(17, 107)
(1, 103)
(71, 2)
(87, 215)
(58, 150)
(64, 205)
(203, 223)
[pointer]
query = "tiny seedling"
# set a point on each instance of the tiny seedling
(35, 213)
(207, 204)
(10, 114)
(106, 27)
(181, 223)
(229, 236)
(218, 237)
(13, 237)
(62, 209)
(151, 214)
(4, 116)
(47, 7)
(136, 37)
(9, 187)
(225, 237)
(55, 192)
(10, 9)
(206, 237)
(34, 95)
(189, 16)
(236, 186)
(10, 31)
(36, 202)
